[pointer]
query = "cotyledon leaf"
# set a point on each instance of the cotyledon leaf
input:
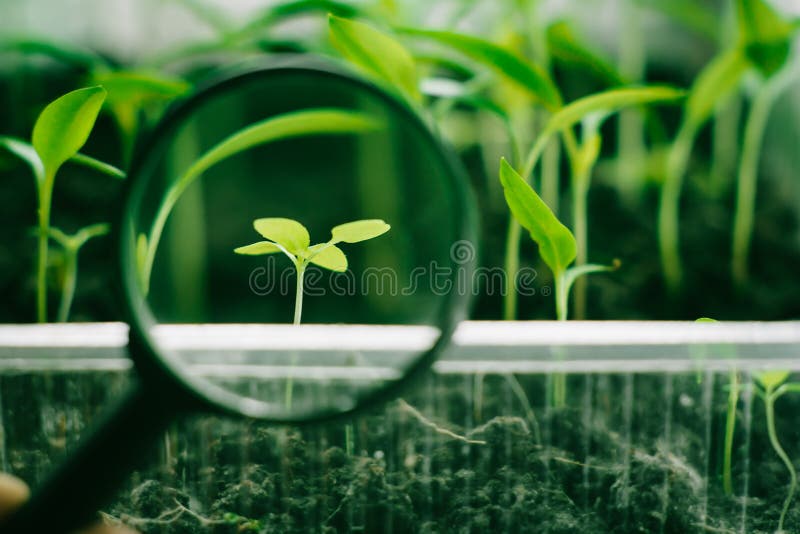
(288, 233)
(257, 249)
(356, 231)
(328, 256)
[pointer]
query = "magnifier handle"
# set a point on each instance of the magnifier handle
(92, 475)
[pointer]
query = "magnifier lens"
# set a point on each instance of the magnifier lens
(213, 259)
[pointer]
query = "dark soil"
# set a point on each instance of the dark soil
(601, 464)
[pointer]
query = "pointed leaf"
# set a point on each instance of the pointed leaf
(257, 249)
(319, 121)
(328, 256)
(765, 35)
(604, 104)
(26, 153)
(134, 88)
(375, 52)
(65, 124)
(556, 243)
(772, 379)
(96, 164)
(564, 45)
(82, 58)
(719, 78)
(610, 102)
(356, 231)
(288, 233)
(527, 75)
(573, 273)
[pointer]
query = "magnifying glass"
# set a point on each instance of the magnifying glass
(295, 244)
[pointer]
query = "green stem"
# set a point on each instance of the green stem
(45, 199)
(769, 401)
(746, 184)
(512, 269)
(298, 314)
(69, 283)
(730, 427)
(551, 160)
(580, 192)
(559, 380)
(298, 300)
(669, 206)
(630, 137)
(726, 143)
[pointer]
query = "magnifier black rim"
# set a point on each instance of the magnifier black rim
(153, 369)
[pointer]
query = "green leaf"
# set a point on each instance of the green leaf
(320, 121)
(135, 88)
(96, 164)
(706, 320)
(529, 76)
(696, 16)
(718, 79)
(288, 233)
(356, 231)
(64, 126)
(565, 46)
(257, 249)
(604, 103)
(556, 243)
(26, 153)
(573, 273)
(765, 35)
(609, 102)
(377, 53)
(772, 379)
(327, 256)
(82, 58)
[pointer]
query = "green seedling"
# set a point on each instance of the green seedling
(71, 246)
(589, 111)
(763, 45)
(557, 246)
(60, 132)
(766, 39)
(734, 390)
(256, 34)
(318, 121)
(292, 239)
(719, 79)
(770, 386)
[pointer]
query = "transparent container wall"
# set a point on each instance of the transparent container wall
(584, 435)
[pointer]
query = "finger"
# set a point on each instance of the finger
(13, 492)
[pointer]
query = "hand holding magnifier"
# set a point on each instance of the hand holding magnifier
(266, 162)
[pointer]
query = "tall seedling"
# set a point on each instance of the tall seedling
(60, 132)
